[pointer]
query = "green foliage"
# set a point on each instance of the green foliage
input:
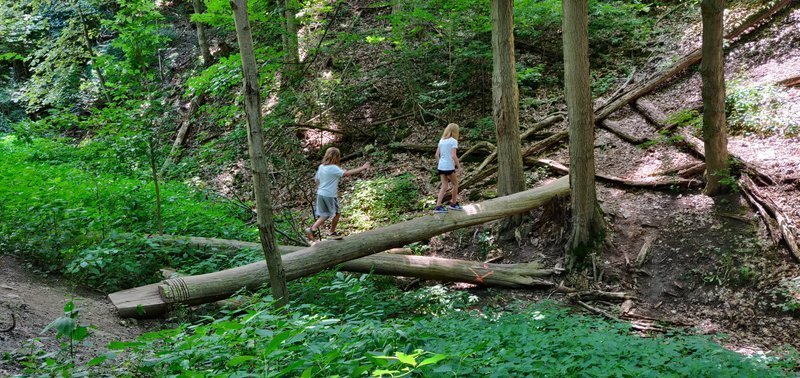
(685, 117)
(358, 326)
(54, 213)
(760, 109)
(787, 294)
(737, 266)
(380, 200)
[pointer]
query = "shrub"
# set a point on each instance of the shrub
(380, 200)
(760, 109)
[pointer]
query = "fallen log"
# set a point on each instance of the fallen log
(664, 183)
(638, 90)
(651, 112)
(790, 82)
(685, 171)
(487, 169)
(400, 262)
(541, 125)
(152, 300)
(784, 228)
(617, 129)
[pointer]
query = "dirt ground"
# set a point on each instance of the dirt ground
(36, 301)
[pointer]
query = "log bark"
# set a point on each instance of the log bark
(651, 112)
(666, 183)
(154, 299)
(617, 129)
(638, 90)
(262, 184)
(790, 82)
(782, 225)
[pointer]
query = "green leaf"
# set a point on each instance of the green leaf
(432, 360)
(97, 360)
(238, 360)
(406, 359)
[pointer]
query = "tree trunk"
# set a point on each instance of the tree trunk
(20, 71)
(505, 100)
(261, 179)
(202, 40)
(292, 45)
(90, 51)
(712, 69)
(327, 254)
(587, 227)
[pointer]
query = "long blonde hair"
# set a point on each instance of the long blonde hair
(332, 156)
(451, 131)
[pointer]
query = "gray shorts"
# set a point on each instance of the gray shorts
(326, 206)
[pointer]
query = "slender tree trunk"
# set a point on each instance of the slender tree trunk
(587, 222)
(202, 39)
(505, 103)
(712, 69)
(90, 50)
(20, 71)
(292, 45)
(154, 172)
(261, 180)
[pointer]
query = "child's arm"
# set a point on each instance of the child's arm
(437, 153)
(454, 155)
(358, 170)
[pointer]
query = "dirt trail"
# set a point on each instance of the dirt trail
(36, 301)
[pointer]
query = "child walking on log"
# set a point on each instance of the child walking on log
(447, 168)
(327, 179)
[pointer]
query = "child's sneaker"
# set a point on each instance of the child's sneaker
(336, 236)
(455, 206)
(309, 233)
(440, 209)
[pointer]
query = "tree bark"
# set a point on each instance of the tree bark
(587, 226)
(202, 39)
(292, 45)
(261, 179)
(712, 70)
(505, 101)
(327, 254)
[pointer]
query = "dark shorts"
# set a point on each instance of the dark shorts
(326, 206)
(446, 173)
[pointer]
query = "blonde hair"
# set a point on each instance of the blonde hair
(451, 131)
(332, 156)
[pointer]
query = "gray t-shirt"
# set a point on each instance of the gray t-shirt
(446, 146)
(328, 177)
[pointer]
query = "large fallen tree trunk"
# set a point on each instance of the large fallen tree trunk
(399, 262)
(686, 61)
(152, 300)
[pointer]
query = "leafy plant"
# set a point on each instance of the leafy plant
(380, 200)
(760, 109)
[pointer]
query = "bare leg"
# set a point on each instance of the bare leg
(334, 222)
(454, 182)
(315, 226)
(442, 190)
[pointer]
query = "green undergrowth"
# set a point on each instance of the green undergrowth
(355, 325)
(380, 200)
(61, 210)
